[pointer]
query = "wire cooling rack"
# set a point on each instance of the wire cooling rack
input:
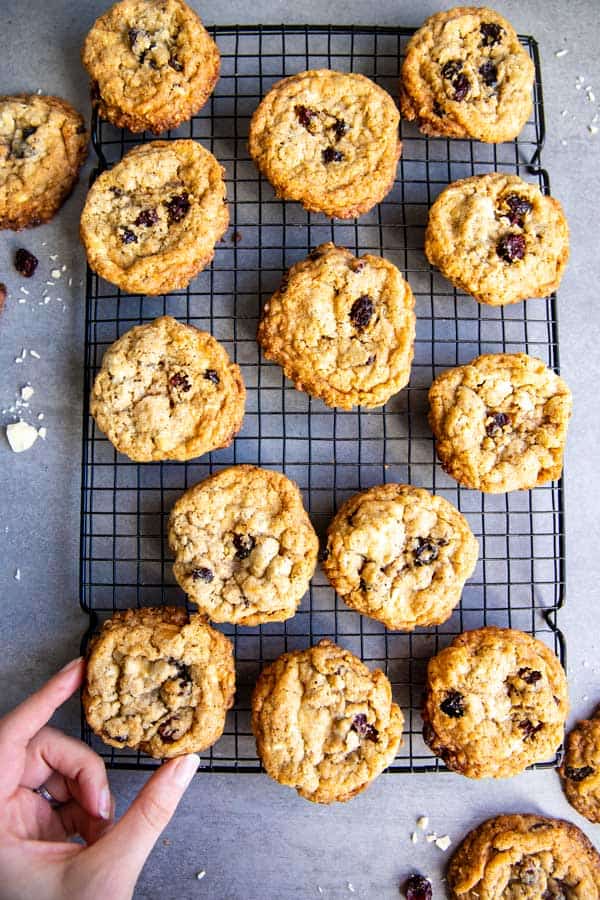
(125, 561)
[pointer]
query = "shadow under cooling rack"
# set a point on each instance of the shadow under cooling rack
(519, 579)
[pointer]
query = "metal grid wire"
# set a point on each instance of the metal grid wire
(125, 562)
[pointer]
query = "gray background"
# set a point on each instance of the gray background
(254, 838)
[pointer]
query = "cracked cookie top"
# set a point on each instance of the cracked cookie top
(152, 64)
(159, 680)
(151, 222)
(580, 769)
(525, 857)
(328, 139)
(498, 238)
(43, 144)
(167, 391)
(245, 549)
(341, 327)
(500, 422)
(466, 74)
(324, 723)
(496, 703)
(400, 555)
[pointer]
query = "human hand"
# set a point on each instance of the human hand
(37, 860)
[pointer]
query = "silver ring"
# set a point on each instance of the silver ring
(45, 794)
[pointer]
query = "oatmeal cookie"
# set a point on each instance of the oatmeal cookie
(152, 64)
(342, 328)
(498, 238)
(500, 422)
(400, 555)
(580, 769)
(244, 547)
(167, 391)
(496, 703)
(43, 144)
(525, 857)
(152, 221)
(328, 139)
(159, 680)
(324, 723)
(466, 75)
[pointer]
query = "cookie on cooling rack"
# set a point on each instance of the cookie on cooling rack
(43, 144)
(167, 391)
(159, 680)
(341, 327)
(400, 555)
(500, 422)
(466, 75)
(496, 702)
(324, 723)
(244, 547)
(328, 139)
(580, 769)
(526, 856)
(498, 238)
(151, 222)
(152, 64)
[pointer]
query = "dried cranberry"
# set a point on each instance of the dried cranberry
(175, 64)
(491, 33)
(530, 676)
(529, 729)
(437, 109)
(452, 68)
(128, 236)
(357, 265)
(323, 554)
(28, 131)
(557, 891)
(499, 420)
(362, 311)
(369, 360)
(147, 217)
(178, 207)
(25, 262)
(119, 738)
(202, 574)
(340, 128)
(180, 380)
(117, 192)
(518, 208)
(363, 728)
(453, 705)
(244, 545)
(578, 774)
(330, 154)
(461, 85)
(418, 887)
(489, 73)
(425, 552)
(236, 237)
(305, 114)
(183, 671)
(170, 730)
(511, 247)
(212, 375)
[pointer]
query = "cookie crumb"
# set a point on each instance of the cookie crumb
(350, 887)
(443, 842)
(414, 837)
(33, 353)
(43, 432)
(27, 392)
(560, 53)
(200, 875)
(320, 889)
(17, 574)
(55, 273)
(431, 837)
(593, 129)
(423, 822)
(21, 436)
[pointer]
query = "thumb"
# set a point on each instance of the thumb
(135, 834)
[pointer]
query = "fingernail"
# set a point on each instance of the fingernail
(105, 803)
(185, 769)
(71, 665)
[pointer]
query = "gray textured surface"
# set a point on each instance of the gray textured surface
(254, 838)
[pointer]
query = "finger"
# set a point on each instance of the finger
(68, 769)
(133, 837)
(76, 820)
(19, 726)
